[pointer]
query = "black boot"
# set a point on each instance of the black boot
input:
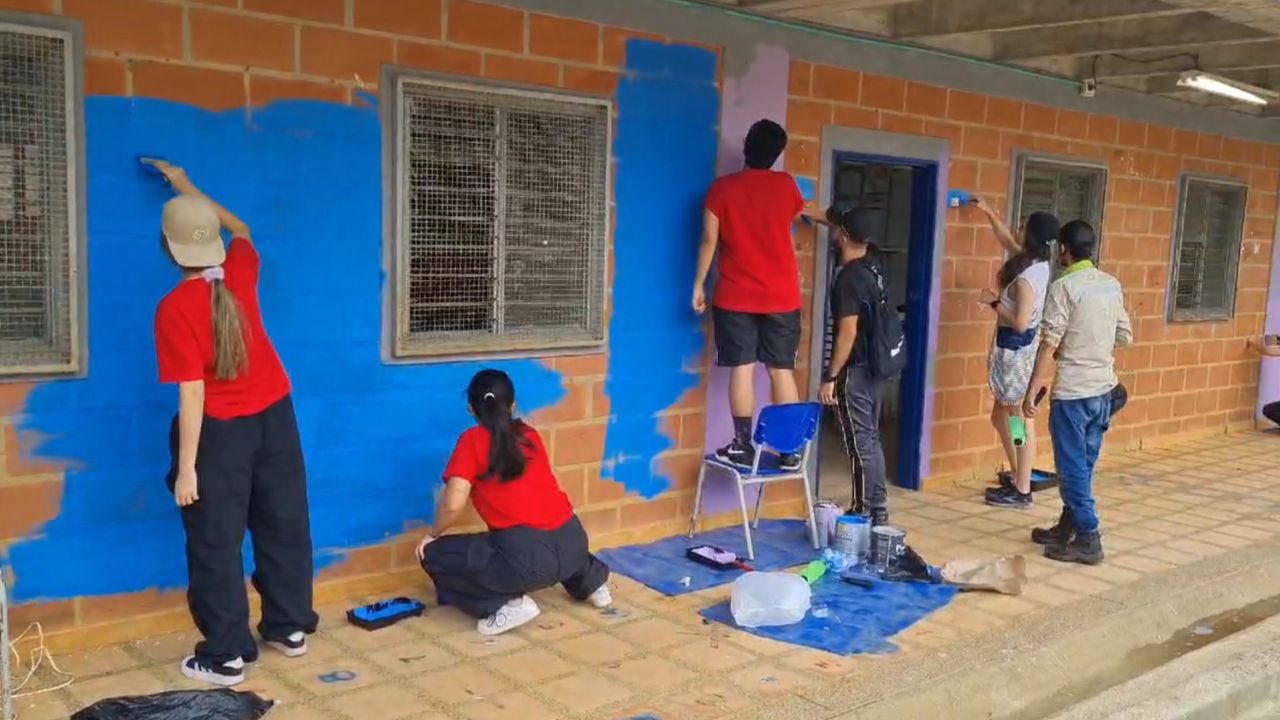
(1059, 534)
(1085, 549)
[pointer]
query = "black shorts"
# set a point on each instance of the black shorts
(747, 338)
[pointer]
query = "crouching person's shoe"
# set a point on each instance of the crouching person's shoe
(1085, 548)
(1058, 534)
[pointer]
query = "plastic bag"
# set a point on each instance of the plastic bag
(762, 599)
(179, 705)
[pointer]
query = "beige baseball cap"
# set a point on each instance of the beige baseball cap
(193, 232)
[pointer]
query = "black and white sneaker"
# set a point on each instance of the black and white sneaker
(293, 646)
(225, 674)
(789, 462)
(1009, 498)
(879, 516)
(737, 453)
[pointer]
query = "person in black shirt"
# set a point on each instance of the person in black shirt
(849, 385)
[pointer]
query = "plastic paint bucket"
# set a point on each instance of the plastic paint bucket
(852, 537)
(887, 545)
(825, 515)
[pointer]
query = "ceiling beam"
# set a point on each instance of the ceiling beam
(1214, 58)
(929, 19)
(777, 6)
(1197, 30)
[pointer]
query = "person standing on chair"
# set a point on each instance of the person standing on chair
(1017, 305)
(867, 351)
(1084, 322)
(236, 455)
(756, 305)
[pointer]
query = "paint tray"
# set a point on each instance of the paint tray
(716, 558)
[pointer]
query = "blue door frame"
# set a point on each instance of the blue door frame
(920, 257)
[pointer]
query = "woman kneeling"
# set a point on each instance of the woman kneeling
(534, 541)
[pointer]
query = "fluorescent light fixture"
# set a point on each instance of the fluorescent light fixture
(1226, 87)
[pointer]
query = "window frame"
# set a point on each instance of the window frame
(71, 32)
(400, 347)
(1227, 314)
(1092, 165)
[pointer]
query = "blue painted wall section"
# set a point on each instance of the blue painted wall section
(307, 177)
(667, 139)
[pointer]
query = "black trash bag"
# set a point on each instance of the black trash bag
(180, 705)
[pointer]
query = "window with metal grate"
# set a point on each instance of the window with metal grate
(1206, 249)
(39, 279)
(1070, 190)
(501, 212)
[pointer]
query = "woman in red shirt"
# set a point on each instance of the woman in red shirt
(236, 456)
(534, 541)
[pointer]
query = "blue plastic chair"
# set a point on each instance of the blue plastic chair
(782, 430)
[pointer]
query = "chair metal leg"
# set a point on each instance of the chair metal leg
(697, 500)
(755, 523)
(811, 518)
(746, 524)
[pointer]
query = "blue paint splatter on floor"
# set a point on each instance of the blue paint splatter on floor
(662, 565)
(668, 115)
(849, 619)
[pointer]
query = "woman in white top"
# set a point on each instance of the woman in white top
(1023, 279)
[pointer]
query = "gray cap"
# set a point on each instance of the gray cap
(193, 232)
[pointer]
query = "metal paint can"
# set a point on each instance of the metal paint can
(852, 538)
(825, 515)
(887, 545)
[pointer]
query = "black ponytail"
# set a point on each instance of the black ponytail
(493, 397)
(1042, 229)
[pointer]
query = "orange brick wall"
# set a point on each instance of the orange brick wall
(1183, 377)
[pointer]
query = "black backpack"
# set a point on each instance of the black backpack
(886, 345)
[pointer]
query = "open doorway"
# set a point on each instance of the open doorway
(902, 195)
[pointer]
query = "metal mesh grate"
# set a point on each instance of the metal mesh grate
(36, 293)
(502, 220)
(1208, 249)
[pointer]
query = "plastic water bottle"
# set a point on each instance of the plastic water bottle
(763, 599)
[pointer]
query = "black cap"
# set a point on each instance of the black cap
(857, 223)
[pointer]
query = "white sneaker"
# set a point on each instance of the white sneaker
(601, 598)
(293, 646)
(510, 616)
(227, 674)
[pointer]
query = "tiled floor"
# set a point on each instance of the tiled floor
(652, 656)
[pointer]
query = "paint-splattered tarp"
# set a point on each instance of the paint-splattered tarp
(662, 565)
(845, 619)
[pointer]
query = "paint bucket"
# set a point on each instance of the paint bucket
(825, 515)
(887, 545)
(852, 537)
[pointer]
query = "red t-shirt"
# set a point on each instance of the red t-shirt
(184, 341)
(532, 500)
(758, 269)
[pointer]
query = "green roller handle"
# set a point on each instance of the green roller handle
(1018, 430)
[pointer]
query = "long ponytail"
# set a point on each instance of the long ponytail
(230, 351)
(492, 397)
(1041, 229)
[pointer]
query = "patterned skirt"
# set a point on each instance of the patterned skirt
(1009, 373)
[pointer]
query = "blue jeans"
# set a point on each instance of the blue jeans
(1077, 427)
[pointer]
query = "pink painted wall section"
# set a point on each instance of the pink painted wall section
(755, 87)
(1269, 377)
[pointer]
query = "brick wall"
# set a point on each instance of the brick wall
(227, 54)
(1183, 377)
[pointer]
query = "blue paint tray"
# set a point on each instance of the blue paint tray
(662, 565)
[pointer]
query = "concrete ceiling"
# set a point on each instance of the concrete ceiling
(1137, 44)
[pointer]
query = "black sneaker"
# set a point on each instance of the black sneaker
(1059, 534)
(293, 646)
(879, 516)
(1009, 498)
(225, 674)
(1085, 548)
(738, 453)
(789, 462)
